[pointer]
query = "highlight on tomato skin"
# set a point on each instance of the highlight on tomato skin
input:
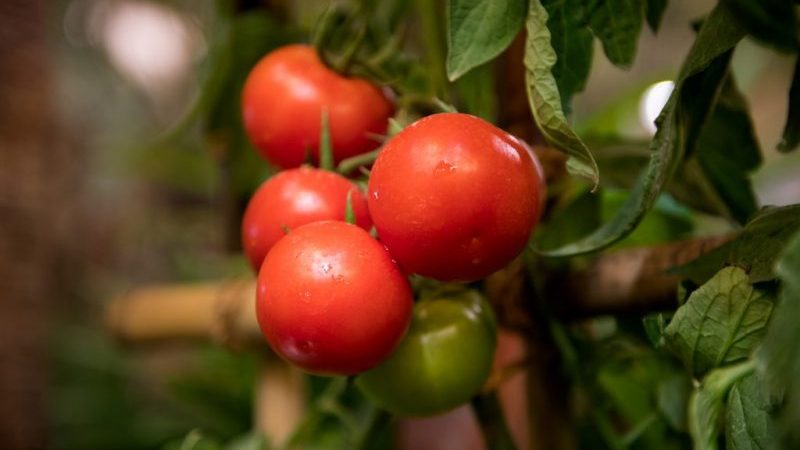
(455, 198)
(293, 198)
(284, 98)
(330, 299)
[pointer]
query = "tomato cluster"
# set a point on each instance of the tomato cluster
(451, 197)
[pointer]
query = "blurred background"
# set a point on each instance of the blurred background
(123, 164)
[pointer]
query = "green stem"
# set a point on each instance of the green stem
(429, 16)
(435, 104)
(492, 421)
(348, 165)
(638, 430)
(331, 394)
(325, 145)
(375, 419)
(612, 440)
(343, 64)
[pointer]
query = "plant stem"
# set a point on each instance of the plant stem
(492, 421)
(429, 16)
(350, 164)
(346, 60)
(374, 420)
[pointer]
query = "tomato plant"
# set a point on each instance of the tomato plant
(331, 300)
(293, 198)
(287, 93)
(430, 372)
(666, 345)
(454, 197)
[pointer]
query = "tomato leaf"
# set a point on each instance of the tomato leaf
(617, 23)
(572, 42)
(654, 12)
(478, 30)
(544, 97)
(773, 22)
(791, 131)
(748, 421)
(707, 404)
(720, 323)
(780, 354)
(678, 125)
(756, 249)
(727, 151)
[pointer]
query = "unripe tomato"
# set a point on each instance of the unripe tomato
(282, 103)
(331, 300)
(442, 362)
(454, 197)
(293, 198)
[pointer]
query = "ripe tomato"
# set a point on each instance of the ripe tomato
(454, 197)
(283, 99)
(442, 362)
(331, 300)
(293, 198)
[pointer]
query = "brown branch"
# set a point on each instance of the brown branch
(631, 281)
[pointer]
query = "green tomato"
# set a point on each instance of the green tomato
(442, 362)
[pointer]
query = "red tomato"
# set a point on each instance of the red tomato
(331, 300)
(454, 197)
(283, 100)
(293, 198)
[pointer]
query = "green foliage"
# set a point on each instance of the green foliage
(666, 222)
(544, 97)
(341, 418)
(478, 30)
(219, 392)
(678, 128)
(101, 400)
(707, 404)
(748, 421)
(780, 354)
(726, 152)
(774, 22)
(572, 42)
(756, 249)
(617, 23)
(196, 440)
(654, 12)
(720, 323)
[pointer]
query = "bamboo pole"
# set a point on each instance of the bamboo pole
(630, 281)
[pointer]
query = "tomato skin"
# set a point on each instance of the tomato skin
(443, 361)
(331, 300)
(282, 103)
(293, 198)
(454, 197)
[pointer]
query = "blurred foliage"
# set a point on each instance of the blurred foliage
(104, 399)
